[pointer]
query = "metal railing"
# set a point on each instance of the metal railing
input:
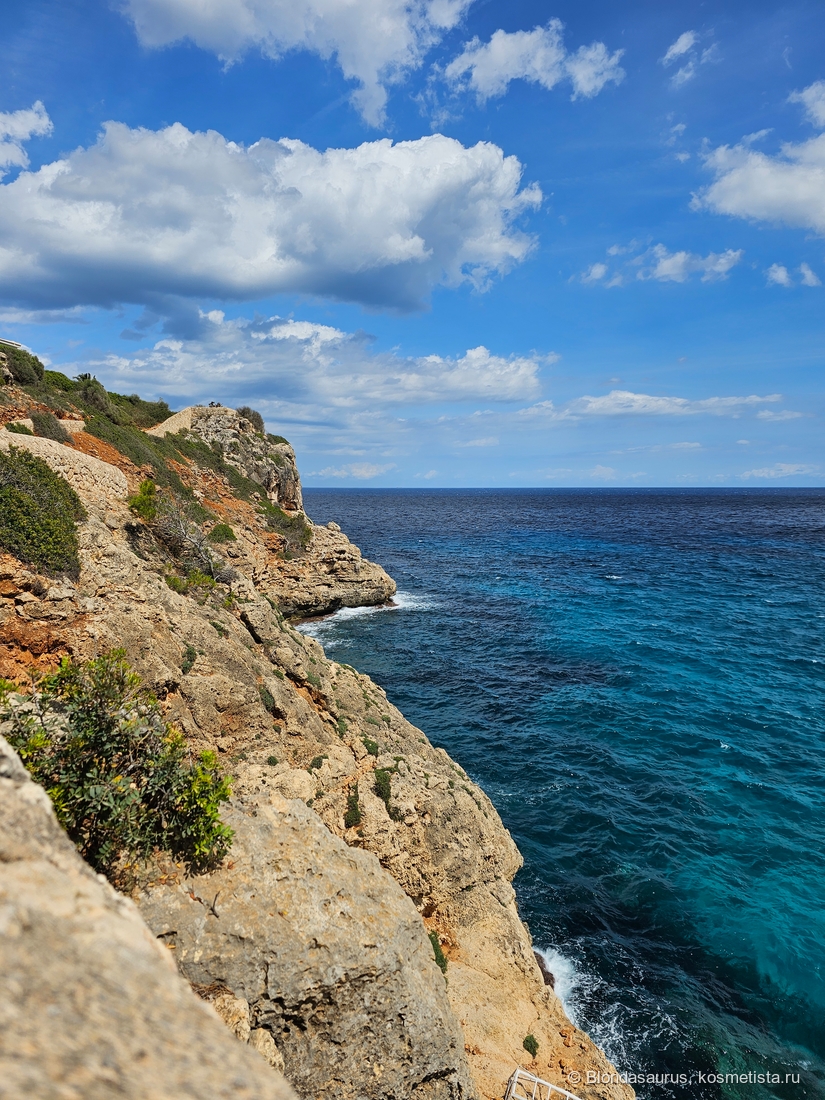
(524, 1086)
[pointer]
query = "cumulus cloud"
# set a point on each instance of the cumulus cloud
(787, 189)
(594, 274)
(374, 41)
(782, 469)
(144, 214)
(677, 267)
(17, 127)
(777, 275)
(812, 99)
(538, 56)
(311, 366)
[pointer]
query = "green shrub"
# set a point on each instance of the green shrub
(48, 426)
(255, 418)
(440, 957)
(177, 584)
(221, 532)
(145, 503)
(116, 772)
(26, 369)
(294, 528)
(353, 815)
(190, 655)
(268, 700)
(342, 727)
(55, 380)
(18, 429)
(531, 1045)
(219, 628)
(38, 513)
(313, 679)
(276, 438)
(272, 761)
(383, 788)
(370, 746)
(316, 763)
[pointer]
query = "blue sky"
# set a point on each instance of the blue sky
(435, 242)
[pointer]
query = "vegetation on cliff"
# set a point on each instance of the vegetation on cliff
(38, 514)
(117, 773)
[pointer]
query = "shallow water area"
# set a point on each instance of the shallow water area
(637, 679)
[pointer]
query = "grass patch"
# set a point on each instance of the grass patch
(116, 772)
(39, 511)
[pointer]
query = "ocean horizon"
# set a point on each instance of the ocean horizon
(635, 677)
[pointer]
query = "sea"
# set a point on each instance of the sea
(637, 679)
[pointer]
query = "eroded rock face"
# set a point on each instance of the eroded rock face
(91, 1005)
(271, 464)
(327, 952)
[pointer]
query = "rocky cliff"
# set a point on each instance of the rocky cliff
(356, 841)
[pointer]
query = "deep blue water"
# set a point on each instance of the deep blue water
(637, 679)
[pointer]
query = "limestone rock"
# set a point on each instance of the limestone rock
(94, 481)
(330, 955)
(90, 1004)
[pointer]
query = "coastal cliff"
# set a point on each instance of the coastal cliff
(361, 852)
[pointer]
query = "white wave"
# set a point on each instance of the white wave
(567, 979)
(320, 629)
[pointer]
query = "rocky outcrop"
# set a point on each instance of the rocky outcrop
(91, 1005)
(324, 954)
(268, 460)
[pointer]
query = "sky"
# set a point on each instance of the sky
(435, 242)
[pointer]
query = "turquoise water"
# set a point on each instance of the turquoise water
(637, 680)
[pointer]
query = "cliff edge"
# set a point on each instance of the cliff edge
(364, 855)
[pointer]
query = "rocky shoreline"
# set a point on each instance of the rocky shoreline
(358, 845)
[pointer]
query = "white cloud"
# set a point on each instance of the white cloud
(782, 469)
(594, 273)
(361, 471)
(683, 75)
(603, 473)
(809, 276)
(677, 267)
(144, 214)
(783, 414)
(487, 441)
(787, 189)
(17, 127)
(624, 403)
(627, 403)
(813, 100)
(777, 275)
(308, 365)
(683, 44)
(538, 56)
(376, 42)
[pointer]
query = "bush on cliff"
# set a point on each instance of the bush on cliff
(26, 369)
(38, 513)
(48, 426)
(254, 418)
(119, 776)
